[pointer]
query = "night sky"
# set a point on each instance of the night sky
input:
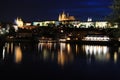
(38, 10)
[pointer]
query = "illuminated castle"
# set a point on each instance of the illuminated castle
(19, 22)
(65, 17)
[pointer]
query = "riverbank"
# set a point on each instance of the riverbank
(50, 40)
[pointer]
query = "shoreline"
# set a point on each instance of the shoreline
(32, 40)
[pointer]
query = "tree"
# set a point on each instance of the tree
(115, 16)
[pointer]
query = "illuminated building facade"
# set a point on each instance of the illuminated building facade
(78, 24)
(65, 17)
(46, 23)
(19, 22)
(70, 21)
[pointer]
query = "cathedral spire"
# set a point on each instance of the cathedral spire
(65, 17)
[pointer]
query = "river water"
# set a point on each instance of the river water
(60, 61)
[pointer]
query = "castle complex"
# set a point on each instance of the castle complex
(65, 17)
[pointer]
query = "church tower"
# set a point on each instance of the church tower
(19, 22)
(65, 17)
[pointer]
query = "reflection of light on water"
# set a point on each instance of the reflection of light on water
(76, 47)
(3, 53)
(11, 47)
(8, 47)
(102, 57)
(54, 45)
(99, 52)
(62, 47)
(86, 48)
(47, 50)
(91, 49)
(18, 54)
(105, 49)
(40, 46)
(45, 54)
(115, 57)
(63, 56)
(68, 48)
(52, 55)
(95, 49)
(49, 45)
(107, 57)
(99, 49)
(119, 50)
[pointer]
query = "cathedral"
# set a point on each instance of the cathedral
(19, 22)
(65, 17)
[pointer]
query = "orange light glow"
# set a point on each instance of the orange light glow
(115, 57)
(18, 54)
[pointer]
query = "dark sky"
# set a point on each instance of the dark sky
(37, 10)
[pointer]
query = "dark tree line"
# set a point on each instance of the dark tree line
(114, 17)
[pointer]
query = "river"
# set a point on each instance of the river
(60, 60)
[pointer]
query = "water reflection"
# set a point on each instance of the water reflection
(91, 49)
(63, 55)
(115, 57)
(100, 53)
(3, 53)
(18, 54)
(119, 50)
(59, 53)
(9, 48)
